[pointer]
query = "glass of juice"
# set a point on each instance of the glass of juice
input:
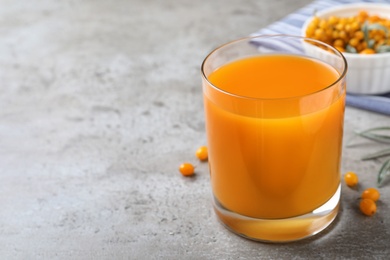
(274, 113)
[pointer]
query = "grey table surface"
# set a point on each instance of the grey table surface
(101, 101)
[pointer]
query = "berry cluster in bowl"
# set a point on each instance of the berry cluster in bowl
(362, 33)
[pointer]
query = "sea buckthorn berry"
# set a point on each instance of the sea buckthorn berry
(361, 46)
(338, 43)
(323, 24)
(353, 42)
(186, 169)
(355, 26)
(359, 35)
(363, 14)
(343, 35)
(340, 26)
(378, 37)
(371, 193)
(367, 207)
(310, 30)
(374, 18)
(343, 20)
(340, 49)
(316, 20)
(356, 30)
(367, 51)
(202, 153)
(329, 32)
(347, 28)
(351, 179)
(319, 34)
(333, 20)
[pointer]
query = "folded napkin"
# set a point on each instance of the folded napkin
(292, 24)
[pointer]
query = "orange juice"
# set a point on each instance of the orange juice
(274, 141)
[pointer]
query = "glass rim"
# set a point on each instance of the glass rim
(248, 39)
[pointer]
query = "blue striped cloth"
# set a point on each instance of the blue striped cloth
(292, 24)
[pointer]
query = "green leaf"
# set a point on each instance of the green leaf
(350, 49)
(377, 26)
(370, 134)
(383, 172)
(376, 134)
(350, 142)
(374, 129)
(365, 32)
(366, 28)
(378, 138)
(371, 44)
(383, 49)
(377, 154)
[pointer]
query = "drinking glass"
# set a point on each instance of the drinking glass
(274, 113)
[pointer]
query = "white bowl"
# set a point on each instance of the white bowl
(367, 74)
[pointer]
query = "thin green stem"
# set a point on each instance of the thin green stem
(383, 172)
(378, 154)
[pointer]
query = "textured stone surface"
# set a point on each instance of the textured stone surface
(100, 102)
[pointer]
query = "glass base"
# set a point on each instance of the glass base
(280, 230)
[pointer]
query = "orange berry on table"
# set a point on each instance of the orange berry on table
(371, 193)
(202, 153)
(367, 207)
(351, 179)
(186, 169)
